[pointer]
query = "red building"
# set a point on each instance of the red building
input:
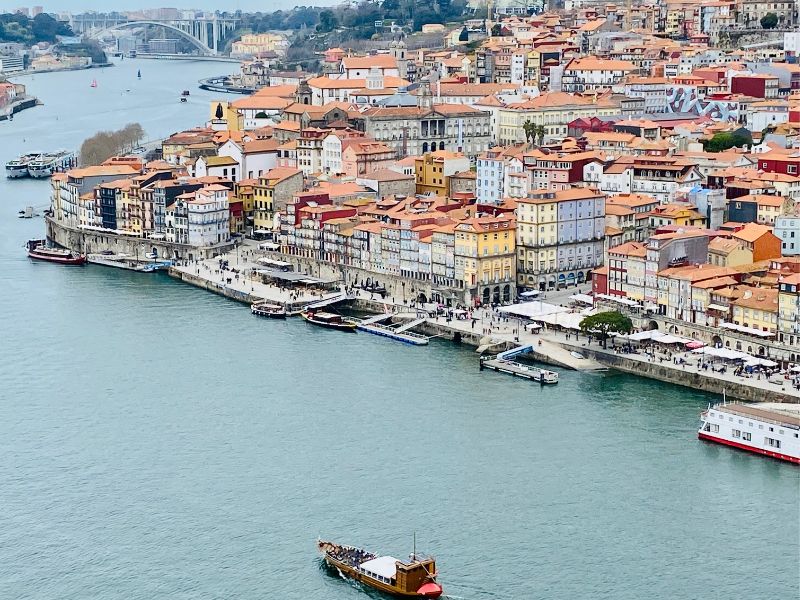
(756, 85)
(785, 162)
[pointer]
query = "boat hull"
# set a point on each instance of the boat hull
(349, 572)
(16, 172)
(348, 327)
(61, 260)
(269, 314)
(738, 445)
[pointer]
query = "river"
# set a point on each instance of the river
(157, 441)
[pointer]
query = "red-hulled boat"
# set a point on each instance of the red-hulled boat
(414, 578)
(39, 250)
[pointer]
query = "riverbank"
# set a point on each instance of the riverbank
(18, 105)
(28, 72)
(491, 332)
(218, 84)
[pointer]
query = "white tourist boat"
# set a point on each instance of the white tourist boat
(770, 428)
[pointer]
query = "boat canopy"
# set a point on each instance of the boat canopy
(383, 566)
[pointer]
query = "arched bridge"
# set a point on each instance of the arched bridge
(205, 34)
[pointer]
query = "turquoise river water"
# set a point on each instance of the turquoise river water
(157, 441)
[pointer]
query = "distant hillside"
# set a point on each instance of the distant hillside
(41, 28)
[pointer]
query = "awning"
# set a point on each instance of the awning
(694, 345)
(722, 353)
(764, 362)
(582, 298)
(717, 307)
(747, 330)
(624, 301)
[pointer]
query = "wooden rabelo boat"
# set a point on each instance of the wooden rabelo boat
(415, 578)
(271, 311)
(329, 320)
(39, 250)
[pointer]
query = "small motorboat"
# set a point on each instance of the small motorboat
(577, 355)
(139, 74)
(185, 93)
(412, 578)
(271, 311)
(94, 83)
(329, 320)
(39, 250)
(183, 99)
(27, 213)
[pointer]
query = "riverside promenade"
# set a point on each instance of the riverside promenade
(490, 332)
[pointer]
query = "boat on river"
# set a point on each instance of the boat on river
(271, 311)
(329, 320)
(768, 428)
(19, 166)
(39, 250)
(47, 164)
(414, 578)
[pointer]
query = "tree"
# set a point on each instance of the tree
(105, 144)
(530, 131)
(540, 133)
(464, 35)
(497, 30)
(769, 21)
(725, 140)
(327, 21)
(604, 323)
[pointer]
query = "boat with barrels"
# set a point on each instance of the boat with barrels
(329, 320)
(414, 578)
(39, 250)
(271, 311)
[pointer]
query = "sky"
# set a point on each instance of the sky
(229, 5)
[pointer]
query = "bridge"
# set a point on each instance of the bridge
(204, 33)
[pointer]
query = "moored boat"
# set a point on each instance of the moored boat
(415, 578)
(47, 164)
(271, 311)
(329, 320)
(19, 166)
(771, 429)
(39, 250)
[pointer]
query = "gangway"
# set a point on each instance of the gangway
(327, 301)
(409, 325)
(376, 319)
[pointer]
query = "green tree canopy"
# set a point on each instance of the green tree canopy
(769, 21)
(464, 35)
(725, 140)
(604, 323)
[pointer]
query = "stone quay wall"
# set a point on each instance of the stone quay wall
(212, 286)
(670, 374)
(397, 287)
(88, 242)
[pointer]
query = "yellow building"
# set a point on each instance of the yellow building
(551, 110)
(789, 310)
(676, 214)
(272, 192)
(485, 257)
(757, 309)
(433, 170)
(727, 252)
(223, 115)
(253, 44)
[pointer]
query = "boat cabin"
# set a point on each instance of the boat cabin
(326, 317)
(408, 577)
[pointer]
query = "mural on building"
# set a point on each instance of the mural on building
(684, 99)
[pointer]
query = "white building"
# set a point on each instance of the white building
(767, 113)
(252, 156)
(208, 216)
(788, 230)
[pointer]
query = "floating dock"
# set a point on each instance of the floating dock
(378, 325)
(128, 263)
(504, 363)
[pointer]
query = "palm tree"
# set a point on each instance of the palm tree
(530, 131)
(540, 131)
